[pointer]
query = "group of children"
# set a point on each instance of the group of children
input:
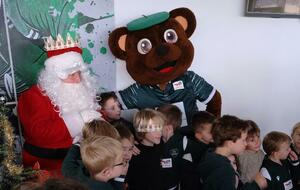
(155, 153)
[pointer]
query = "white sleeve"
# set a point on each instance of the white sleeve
(74, 123)
(264, 172)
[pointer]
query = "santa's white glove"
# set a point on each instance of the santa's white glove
(90, 115)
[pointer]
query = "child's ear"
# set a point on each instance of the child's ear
(107, 171)
(198, 135)
(186, 18)
(117, 41)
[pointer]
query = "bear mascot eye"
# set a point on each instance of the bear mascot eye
(170, 36)
(144, 46)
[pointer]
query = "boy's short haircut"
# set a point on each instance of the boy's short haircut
(201, 118)
(124, 131)
(99, 128)
(273, 140)
(99, 152)
(172, 113)
(141, 122)
(228, 128)
(105, 96)
(253, 129)
(296, 127)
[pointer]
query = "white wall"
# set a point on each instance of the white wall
(254, 62)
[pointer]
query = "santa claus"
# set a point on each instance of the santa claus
(53, 112)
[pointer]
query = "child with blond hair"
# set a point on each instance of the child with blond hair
(103, 159)
(296, 138)
(73, 166)
(251, 159)
(144, 169)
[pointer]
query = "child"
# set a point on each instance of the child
(103, 158)
(275, 166)
(198, 145)
(99, 128)
(174, 147)
(295, 172)
(202, 123)
(127, 141)
(111, 109)
(110, 106)
(72, 166)
(144, 169)
(251, 159)
(229, 134)
(296, 138)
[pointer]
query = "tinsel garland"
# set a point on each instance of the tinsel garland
(12, 173)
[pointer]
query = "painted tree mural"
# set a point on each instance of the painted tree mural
(27, 22)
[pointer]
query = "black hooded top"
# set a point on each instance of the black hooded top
(217, 174)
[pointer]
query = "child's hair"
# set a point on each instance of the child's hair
(53, 183)
(172, 114)
(148, 120)
(228, 128)
(253, 129)
(201, 118)
(296, 127)
(105, 96)
(99, 152)
(99, 128)
(124, 131)
(273, 140)
(63, 184)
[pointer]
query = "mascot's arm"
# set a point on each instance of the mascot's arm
(128, 97)
(214, 105)
(206, 93)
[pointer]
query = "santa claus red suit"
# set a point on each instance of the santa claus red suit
(53, 112)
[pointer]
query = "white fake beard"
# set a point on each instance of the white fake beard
(74, 97)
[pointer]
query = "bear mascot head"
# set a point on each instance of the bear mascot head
(158, 53)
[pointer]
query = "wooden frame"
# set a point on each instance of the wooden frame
(273, 8)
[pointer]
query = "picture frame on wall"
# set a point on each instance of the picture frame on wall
(273, 8)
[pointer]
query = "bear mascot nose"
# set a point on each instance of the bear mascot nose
(162, 50)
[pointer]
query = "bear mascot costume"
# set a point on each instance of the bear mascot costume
(158, 53)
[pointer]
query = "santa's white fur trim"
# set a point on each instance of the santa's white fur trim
(74, 123)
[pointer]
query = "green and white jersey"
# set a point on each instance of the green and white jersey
(187, 88)
(279, 175)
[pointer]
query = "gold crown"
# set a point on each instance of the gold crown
(59, 43)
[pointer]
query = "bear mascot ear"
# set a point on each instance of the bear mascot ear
(116, 42)
(186, 19)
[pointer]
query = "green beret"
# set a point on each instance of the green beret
(147, 21)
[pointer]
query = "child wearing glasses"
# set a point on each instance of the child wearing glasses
(103, 159)
(74, 165)
(144, 169)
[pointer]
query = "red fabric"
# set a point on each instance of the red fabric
(61, 51)
(51, 165)
(42, 126)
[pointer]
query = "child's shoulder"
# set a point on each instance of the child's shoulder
(94, 184)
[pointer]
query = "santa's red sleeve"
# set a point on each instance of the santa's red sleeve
(42, 125)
